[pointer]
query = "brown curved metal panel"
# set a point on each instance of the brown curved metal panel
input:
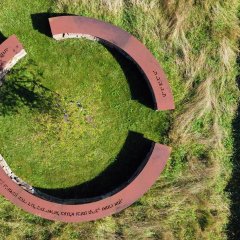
(11, 51)
(89, 211)
(76, 26)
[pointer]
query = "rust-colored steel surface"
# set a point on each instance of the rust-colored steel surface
(93, 210)
(11, 51)
(76, 26)
(26, 197)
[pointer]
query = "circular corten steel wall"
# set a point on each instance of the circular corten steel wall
(76, 27)
(23, 195)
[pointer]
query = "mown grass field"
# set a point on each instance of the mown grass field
(91, 97)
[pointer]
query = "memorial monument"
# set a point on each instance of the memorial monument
(25, 196)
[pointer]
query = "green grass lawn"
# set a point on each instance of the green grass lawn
(68, 109)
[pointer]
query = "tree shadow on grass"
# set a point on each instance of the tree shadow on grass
(23, 87)
(138, 84)
(41, 24)
(233, 188)
(127, 165)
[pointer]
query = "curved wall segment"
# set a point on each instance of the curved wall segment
(25, 196)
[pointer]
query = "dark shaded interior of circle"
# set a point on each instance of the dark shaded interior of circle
(141, 90)
(128, 164)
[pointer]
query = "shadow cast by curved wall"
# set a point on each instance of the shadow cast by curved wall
(233, 188)
(134, 153)
(2, 39)
(127, 165)
(22, 90)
